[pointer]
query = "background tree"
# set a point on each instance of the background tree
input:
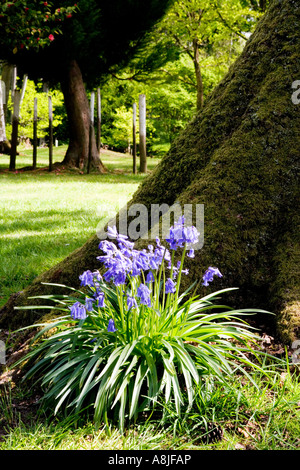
(167, 73)
(201, 28)
(87, 44)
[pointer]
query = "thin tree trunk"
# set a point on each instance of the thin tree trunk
(7, 80)
(199, 81)
(14, 134)
(134, 137)
(142, 133)
(2, 121)
(78, 111)
(99, 120)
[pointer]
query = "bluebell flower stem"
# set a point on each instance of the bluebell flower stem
(161, 268)
(172, 264)
(179, 273)
(120, 301)
(171, 277)
(93, 321)
(175, 297)
(156, 292)
(164, 291)
(134, 317)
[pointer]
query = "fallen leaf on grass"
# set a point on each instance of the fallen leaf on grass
(239, 447)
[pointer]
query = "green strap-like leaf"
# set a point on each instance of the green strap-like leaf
(140, 376)
(125, 353)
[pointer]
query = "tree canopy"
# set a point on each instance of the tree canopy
(95, 33)
(82, 50)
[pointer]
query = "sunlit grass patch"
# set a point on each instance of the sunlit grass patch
(45, 216)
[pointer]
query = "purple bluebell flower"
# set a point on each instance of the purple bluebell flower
(191, 253)
(160, 253)
(108, 275)
(89, 304)
(144, 293)
(97, 276)
(136, 269)
(143, 260)
(118, 267)
(111, 326)
(176, 270)
(125, 246)
(191, 235)
(100, 300)
(153, 262)
(87, 278)
(78, 311)
(131, 302)
(209, 275)
(176, 235)
(113, 233)
(170, 286)
(180, 235)
(119, 278)
(108, 247)
(150, 277)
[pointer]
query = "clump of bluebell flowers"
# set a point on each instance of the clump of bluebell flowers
(130, 337)
(136, 274)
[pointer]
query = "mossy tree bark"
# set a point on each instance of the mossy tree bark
(239, 157)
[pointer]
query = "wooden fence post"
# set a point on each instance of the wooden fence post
(13, 84)
(15, 127)
(142, 132)
(98, 120)
(34, 154)
(92, 104)
(25, 78)
(134, 137)
(50, 133)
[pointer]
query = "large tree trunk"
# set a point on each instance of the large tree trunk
(78, 111)
(239, 157)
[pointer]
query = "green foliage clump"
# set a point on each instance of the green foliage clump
(26, 112)
(133, 338)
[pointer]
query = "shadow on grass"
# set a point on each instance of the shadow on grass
(24, 258)
(42, 224)
(111, 177)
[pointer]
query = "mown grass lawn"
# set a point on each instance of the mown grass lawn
(44, 217)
